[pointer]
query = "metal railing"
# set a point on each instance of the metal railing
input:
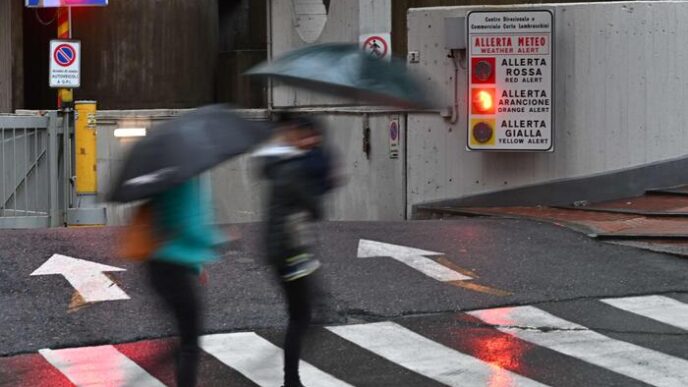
(29, 195)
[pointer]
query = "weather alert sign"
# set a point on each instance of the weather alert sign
(65, 64)
(510, 80)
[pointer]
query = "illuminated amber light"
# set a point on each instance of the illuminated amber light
(483, 101)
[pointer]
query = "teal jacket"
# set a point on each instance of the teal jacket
(183, 218)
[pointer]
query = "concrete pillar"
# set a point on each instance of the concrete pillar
(375, 16)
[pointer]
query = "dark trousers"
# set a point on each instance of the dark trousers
(299, 300)
(178, 287)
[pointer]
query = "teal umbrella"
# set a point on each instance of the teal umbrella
(345, 70)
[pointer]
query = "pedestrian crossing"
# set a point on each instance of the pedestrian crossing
(527, 323)
(92, 366)
(660, 308)
(512, 346)
(260, 360)
(426, 357)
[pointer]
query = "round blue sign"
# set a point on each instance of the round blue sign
(394, 130)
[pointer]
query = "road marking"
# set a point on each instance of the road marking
(659, 308)
(481, 288)
(97, 366)
(577, 341)
(426, 357)
(446, 262)
(85, 276)
(469, 284)
(261, 361)
(415, 258)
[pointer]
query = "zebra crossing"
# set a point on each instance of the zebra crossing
(512, 346)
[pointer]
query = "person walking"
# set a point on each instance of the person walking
(298, 171)
(181, 219)
(176, 237)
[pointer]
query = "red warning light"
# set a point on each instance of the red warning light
(483, 101)
(483, 70)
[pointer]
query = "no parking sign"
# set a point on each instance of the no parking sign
(65, 64)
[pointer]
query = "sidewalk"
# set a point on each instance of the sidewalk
(656, 221)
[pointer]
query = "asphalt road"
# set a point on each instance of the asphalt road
(511, 263)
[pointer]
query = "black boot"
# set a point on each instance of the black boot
(187, 369)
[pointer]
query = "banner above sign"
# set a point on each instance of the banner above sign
(65, 3)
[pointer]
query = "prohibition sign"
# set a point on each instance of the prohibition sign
(64, 55)
(394, 130)
(376, 46)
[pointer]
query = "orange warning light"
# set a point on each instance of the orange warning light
(483, 101)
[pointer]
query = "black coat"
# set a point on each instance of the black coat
(295, 196)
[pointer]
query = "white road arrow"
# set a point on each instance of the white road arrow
(85, 276)
(416, 258)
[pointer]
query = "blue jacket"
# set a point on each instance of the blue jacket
(183, 218)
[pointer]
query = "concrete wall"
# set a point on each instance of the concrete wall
(296, 23)
(374, 187)
(620, 100)
(376, 183)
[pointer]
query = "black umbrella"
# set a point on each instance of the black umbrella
(345, 70)
(184, 147)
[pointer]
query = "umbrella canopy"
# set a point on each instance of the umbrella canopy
(345, 70)
(183, 148)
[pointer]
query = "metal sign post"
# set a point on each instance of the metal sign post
(65, 96)
(65, 75)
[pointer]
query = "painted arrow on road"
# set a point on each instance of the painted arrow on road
(415, 258)
(85, 276)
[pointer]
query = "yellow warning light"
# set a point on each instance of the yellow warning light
(482, 132)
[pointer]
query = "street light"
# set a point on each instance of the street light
(130, 132)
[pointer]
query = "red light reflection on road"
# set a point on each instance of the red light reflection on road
(502, 351)
(30, 371)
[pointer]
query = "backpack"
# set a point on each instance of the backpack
(138, 241)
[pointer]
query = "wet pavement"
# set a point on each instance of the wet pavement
(553, 282)
(601, 342)
(656, 221)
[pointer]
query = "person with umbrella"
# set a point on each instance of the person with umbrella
(181, 217)
(299, 173)
(163, 169)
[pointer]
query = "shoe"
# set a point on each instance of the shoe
(299, 267)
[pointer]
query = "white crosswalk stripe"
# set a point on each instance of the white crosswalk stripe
(659, 308)
(99, 366)
(577, 341)
(260, 360)
(426, 357)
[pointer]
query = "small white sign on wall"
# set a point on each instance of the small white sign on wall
(65, 64)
